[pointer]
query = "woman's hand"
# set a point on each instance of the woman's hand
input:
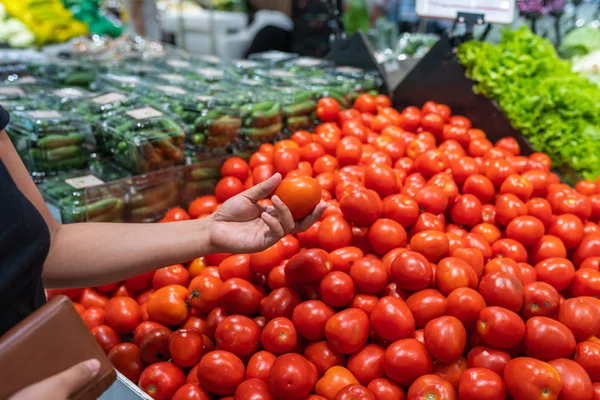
(241, 225)
(61, 385)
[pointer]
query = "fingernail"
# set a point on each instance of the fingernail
(93, 366)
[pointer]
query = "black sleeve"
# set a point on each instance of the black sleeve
(4, 118)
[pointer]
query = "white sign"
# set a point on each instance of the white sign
(109, 98)
(246, 64)
(179, 64)
(494, 11)
(125, 79)
(349, 70)
(44, 114)
(27, 79)
(307, 62)
(144, 113)
(83, 182)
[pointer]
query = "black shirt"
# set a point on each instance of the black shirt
(24, 244)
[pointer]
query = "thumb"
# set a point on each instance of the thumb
(263, 189)
(75, 377)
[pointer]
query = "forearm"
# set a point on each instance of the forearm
(91, 254)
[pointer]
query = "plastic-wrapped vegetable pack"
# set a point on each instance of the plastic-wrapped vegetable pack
(49, 141)
(69, 201)
(143, 139)
(17, 97)
(68, 72)
(151, 195)
(97, 107)
(298, 107)
(201, 176)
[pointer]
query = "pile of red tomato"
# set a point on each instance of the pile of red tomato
(444, 267)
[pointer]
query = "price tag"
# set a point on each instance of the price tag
(171, 89)
(144, 113)
(109, 98)
(280, 73)
(83, 182)
(179, 64)
(27, 79)
(44, 114)
(210, 72)
(125, 79)
(495, 11)
(68, 92)
(12, 91)
(307, 62)
(349, 70)
(172, 77)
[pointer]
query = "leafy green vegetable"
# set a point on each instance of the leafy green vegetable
(580, 41)
(555, 108)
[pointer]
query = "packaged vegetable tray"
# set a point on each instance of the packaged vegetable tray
(50, 141)
(151, 195)
(121, 81)
(298, 107)
(17, 97)
(262, 121)
(143, 139)
(74, 196)
(68, 72)
(201, 176)
(97, 107)
(65, 98)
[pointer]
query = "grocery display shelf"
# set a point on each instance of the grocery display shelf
(439, 77)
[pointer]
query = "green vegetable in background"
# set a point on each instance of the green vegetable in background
(580, 42)
(556, 109)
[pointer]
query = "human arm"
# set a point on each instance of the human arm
(91, 254)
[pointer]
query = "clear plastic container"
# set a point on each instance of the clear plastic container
(50, 141)
(73, 197)
(118, 81)
(201, 176)
(151, 195)
(143, 139)
(65, 98)
(100, 105)
(298, 107)
(69, 72)
(18, 97)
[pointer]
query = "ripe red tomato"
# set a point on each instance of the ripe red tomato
(445, 338)
(434, 245)
(106, 337)
(292, 377)
(307, 268)
(369, 274)
(91, 298)
(352, 392)
(500, 327)
(367, 363)
(260, 365)
(310, 318)
(236, 266)
(465, 304)
(525, 229)
(405, 360)
(220, 372)
(126, 358)
(191, 391)
(401, 208)
(587, 354)
(279, 336)
(392, 320)
(171, 275)
(481, 384)
(155, 346)
(348, 330)
(203, 292)
(334, 233)
(385, 389)
(342, 259)
(540, 299)
(543, 380)
(185, 347)
(466, 210)
(236, 167)
(385, 235)
(503, 290)
(488, 358)
(576, 383)
(238, 296)
(426, 305)
(568, 228)
(228, 187)
(361, 207)
(161, 380)
(122, 314)
(337, 289)
(452, 273)
(411, 271)
(93, 317)
(279, 303)
(431, 386)
(301, 194)
(323, 356)
(558, 272)
(547, 339)
(328, 109)
(237, 334)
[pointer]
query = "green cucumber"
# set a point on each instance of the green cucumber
(54, 141)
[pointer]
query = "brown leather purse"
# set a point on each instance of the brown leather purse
(51, 340)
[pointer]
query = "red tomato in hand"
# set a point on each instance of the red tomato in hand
(300, 194)
(161, 380)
